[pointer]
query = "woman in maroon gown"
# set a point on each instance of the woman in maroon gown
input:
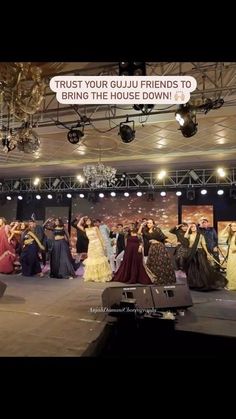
(132, 270)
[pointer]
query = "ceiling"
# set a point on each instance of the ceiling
(158, 141)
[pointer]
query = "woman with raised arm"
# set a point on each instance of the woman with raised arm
(200, 274)
(97, 267)
(82, 240)
(159, 262)
(181, 250)
(229, 233)
(29, 256)
(61, 261)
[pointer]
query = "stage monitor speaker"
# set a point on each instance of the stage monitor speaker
(2, 288)
(138, 295)
(148, 297)
(171, 296)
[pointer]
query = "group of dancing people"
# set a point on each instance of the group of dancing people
(141, 255)
(24, 247)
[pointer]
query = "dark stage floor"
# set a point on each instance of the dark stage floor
(59, 318)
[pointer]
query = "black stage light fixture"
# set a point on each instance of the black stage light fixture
(56, 182)
(59, 198)
(189, 129)
(126, 132)
(74, 135)
(16, 184)
(143, 108)
(29, 198)
(132, 68)
(191, 194)
(232, 193)
(186, 117)
(140, 178)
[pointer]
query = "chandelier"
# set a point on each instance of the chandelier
(99, 175)
(22, 90)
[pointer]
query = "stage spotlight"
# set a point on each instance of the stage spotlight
(38, 197)
(113, 194)
(74, 135)
(139, 69)
(126, 194)
(126, 132)
(124, 68)
(139, 193)
(189, 129)
(220, 192)
(221, 172)
(150, 196)
(36, 181)
(232, 193)
(163, 193)
(132, 68)
(178, 193)
(186, 118)
(161, 175)
(59, 198)
(193, 175)
(92, 197)
(138, 108)
(20, 197)
(9, 198)
(49, 196)
(29, 199)
(69, 195)
(191, 194)
(56, 182)
(203, 191)
(101, 195)
(143, 108)
(140, 179)
(81, 195)
(16, 184)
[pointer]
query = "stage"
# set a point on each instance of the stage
(63, 318)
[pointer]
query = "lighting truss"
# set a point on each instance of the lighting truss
(174, 179)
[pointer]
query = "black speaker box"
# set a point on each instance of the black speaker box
(140, 295)
(171, 296)
(148, 297)
(2, 288)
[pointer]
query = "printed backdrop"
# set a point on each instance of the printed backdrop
(193, 213)
(164, 210)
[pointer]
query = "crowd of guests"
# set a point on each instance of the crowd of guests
(139, 254)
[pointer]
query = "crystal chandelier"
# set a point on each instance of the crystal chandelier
(22, 90)
(99, 175)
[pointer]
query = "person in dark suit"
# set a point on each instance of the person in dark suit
(119, 235)
(211, 239)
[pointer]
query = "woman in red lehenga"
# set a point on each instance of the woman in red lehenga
(7, 251)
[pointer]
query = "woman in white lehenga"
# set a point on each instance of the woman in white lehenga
(97, 267)
(229, 233)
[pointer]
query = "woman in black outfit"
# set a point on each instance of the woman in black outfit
(181, 250)
(158, 262)
(82, 239)
(61, 261)
(201, 275)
